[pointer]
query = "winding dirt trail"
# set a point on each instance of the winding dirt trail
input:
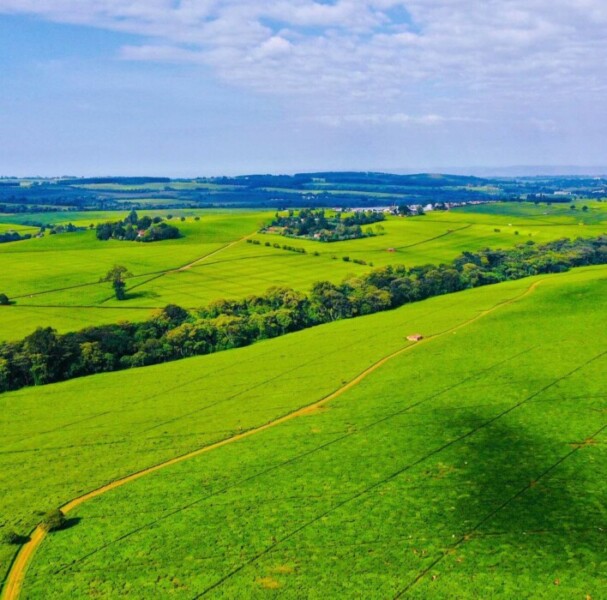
(16, 575)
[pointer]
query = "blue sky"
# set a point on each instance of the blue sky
(204, 87)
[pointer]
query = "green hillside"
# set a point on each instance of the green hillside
(470, 461)
(55, 280)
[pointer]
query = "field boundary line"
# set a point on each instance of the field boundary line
(399, 472)
(17, 570)
(342, 436)
(436, 237)
(187, 266)
(153, 274)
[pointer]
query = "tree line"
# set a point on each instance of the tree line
(14, 236)
(173, 332)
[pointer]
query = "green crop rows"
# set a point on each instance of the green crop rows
(55, 280)
(472, 464)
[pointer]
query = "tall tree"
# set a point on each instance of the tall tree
(116, 276)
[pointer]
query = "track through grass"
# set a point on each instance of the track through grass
(18, 569)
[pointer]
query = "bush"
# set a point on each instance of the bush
(4, 301)
(53, 520)
(12, 537)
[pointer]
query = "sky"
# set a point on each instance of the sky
(188, 88)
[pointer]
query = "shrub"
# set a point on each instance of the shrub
(12, 537)
(53, 520)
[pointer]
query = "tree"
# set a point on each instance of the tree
(13, 538)
(53, 520)
(4, 301)
(132, 218)
(5, 375)
(116, 276)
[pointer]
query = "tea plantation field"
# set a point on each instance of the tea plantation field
(471, 464)
(55, 280)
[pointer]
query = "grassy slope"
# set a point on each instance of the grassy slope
(55, 279)
(135, 418)
(382, 537)
(45, 267)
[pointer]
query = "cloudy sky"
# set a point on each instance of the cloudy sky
(202, 87)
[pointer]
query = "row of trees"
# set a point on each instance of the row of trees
(13, 236)
(174, 333)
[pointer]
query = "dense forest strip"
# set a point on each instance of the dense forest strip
(17, 571)
(174, 332)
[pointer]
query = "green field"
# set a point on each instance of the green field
(470, 465)
(55, 280)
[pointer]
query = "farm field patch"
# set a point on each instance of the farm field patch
(55, 280)
(382, 481)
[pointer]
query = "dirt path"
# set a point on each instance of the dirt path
(19, 567)
(153, 275)
(203, 258)
(186, 266)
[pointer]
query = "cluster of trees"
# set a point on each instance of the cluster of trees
(314, 224)
(133, 228)
(54, 229)
(13, 236)
(174, 333)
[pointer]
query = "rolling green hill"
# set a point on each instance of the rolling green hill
(468, 463)
(55, 280)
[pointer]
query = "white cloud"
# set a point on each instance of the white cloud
(448, 58)
(389, 119)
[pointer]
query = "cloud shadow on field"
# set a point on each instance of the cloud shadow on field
(526, 503)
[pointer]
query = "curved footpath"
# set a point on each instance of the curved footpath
(16, 575)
